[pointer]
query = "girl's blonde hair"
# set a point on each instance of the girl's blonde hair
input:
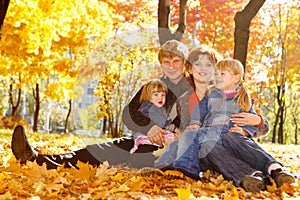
(194, 56)
(236, 68)
(151, 87)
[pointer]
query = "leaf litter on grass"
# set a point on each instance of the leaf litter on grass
(32, 181)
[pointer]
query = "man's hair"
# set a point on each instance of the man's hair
(171, 49)
(154, 85)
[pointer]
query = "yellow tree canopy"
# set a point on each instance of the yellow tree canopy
(37, 35)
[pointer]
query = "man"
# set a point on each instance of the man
(172, 57)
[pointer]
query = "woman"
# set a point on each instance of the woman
(238, 158)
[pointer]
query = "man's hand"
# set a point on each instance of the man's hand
(155, 135)
(242, 119)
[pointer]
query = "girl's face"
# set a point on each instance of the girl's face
(227, 81)
(203, 69)
(158, 99)
(173, 68)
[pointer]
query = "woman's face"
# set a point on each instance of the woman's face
(173, 68)
(203, 69)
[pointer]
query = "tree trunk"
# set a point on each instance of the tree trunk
(242, 21)
(68, 115)
(296, 128)
(164, 31)
(36, 95)
(3, 9)
(104, 125)
(14, 107)
(281, 123)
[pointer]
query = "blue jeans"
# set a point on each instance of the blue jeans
(203, 149)
(190, 147)
(221, 160)
(249, 151)
(168, 156)
(188, 153)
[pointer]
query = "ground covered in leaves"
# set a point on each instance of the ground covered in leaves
(106, 182)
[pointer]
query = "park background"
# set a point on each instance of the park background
(71, 66)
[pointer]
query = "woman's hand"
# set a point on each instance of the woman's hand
(155, 135)
(242, 119)
(238, 129)
(193, 127)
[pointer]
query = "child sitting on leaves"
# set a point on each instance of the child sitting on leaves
(153, 98)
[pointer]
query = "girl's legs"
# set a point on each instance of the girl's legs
(168, 156)
(187, 154)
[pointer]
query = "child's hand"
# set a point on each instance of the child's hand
(238, 129)
(193, 127)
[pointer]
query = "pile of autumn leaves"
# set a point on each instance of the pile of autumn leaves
(107, 182)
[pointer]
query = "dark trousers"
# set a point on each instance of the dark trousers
(221, 160)
(115, 153)
(249, 151)
(236, 157)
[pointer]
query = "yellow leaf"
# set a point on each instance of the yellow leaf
(119, 176)
(232, 195)
(207, 174)
(271, 188)
(183, 193)
(85, 170)
(121, 188)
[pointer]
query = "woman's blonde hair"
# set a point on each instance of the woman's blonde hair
(171, 49)
(236, 68)
(194, 56)
(151, 87)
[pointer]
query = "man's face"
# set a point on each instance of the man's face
(172, 67)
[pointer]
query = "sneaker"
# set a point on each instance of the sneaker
(21, 147)
(282, 176)
(253, 183)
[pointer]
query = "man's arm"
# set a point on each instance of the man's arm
(134, 120)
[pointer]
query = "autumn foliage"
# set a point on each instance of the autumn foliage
(32, 181)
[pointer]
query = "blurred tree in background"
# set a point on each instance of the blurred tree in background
(49, 48)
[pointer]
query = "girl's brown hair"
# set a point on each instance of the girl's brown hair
(236, 68)
(151, 87)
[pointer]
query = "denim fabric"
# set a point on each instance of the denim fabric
(248, 150)
(189, 147)
(213, 134)
(168, 156)
(212, 154)
(187, 153)
(156, 114)
(220, 160)
(215, 110)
